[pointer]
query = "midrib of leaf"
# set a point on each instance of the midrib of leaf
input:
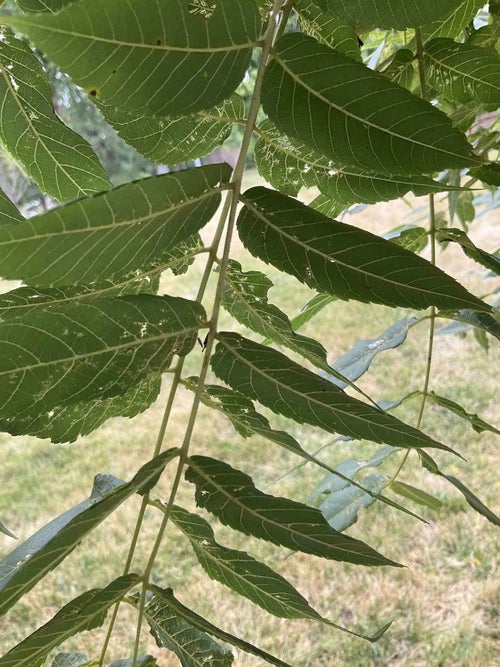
(349, 114)
(39, 137)
(290, 389)
(295, 241)
(461, 74)
(106, 350)
(115, 225)
(141, 45)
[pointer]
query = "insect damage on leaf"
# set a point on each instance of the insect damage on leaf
(202, 8)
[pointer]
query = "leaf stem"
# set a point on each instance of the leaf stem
(231, 204)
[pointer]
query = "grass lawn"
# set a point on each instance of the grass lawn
(445, 605)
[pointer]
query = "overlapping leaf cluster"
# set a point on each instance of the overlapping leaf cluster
(86, 336)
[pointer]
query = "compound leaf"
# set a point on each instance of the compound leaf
(355, 116)
(132, 228)
(343, 260)
(160, 58)
(43, 551)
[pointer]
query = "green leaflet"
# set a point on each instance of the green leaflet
(42, 5)
(142, 661)
(72, 353)
(344, 261)
(245, 575)
(185, 632)
(231, 496)
(43, 551)
(453, 24)
(288, 389)
(245, 298)
(134, 227)
(6, 531)
(486, 259)
(61, 163)
(85, 612)
(417, 495)
(192, 647)
(66, 423)
(462, 73)
(240, 572)
(476, 504)
(399, 14)
(471, 318)
(488, 173)
(8, 212)
(289, 165)
(355, 116)
(155, 58)
(328, 29)
(178, 139)
(401, 69)
(478, 424)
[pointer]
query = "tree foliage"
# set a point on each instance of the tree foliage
(364, 101)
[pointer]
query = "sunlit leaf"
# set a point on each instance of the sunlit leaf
(414, 239)
(56, 158)
(155, 58)
(430, 465)
(343, 260)
(401, 69)
(85, 612)
(354, 363)
(453, 24)
(486, 259)
(417, 495)
(355, 116)
(328, 29)
(192, 626)
(132, 228)
(462, 72)
(71, 660)
(245, 298)
(341, 508)
(478, 424)
(398, 14)
(232, 497)
(30, 561)
(293, 391)
(72, 353)
(289, 165)
(178, 139)
(8, 212)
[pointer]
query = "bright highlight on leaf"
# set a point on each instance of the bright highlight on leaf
(344, 261)
(193, 61)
